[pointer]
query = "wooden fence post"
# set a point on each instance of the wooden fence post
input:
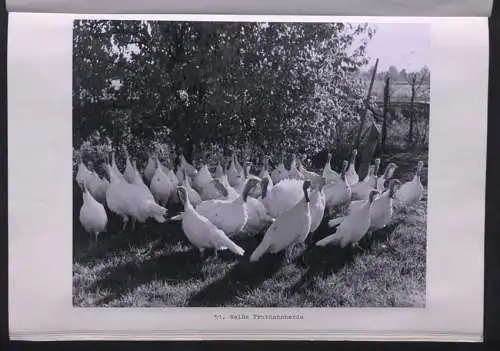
(385, 113)
(369, 146)
(363, 116)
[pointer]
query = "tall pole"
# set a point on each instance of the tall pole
(363, 116)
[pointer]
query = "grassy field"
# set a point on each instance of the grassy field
(400, 91)
(156, 266)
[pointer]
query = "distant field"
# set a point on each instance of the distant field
(156, 266)
(401, 91)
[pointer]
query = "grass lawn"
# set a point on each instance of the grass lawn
(156, 267)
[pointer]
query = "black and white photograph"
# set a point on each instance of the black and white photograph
(250, 164)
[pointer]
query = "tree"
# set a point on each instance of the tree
(403, 75)
(393, 73)
(363, 117)
(196, 84)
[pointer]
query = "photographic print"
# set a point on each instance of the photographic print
(250, 164)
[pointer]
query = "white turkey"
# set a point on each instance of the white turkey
(150, 169)
(115, 168)
(131, 201)
(290, 228)
(161, 186)
(338, 193)
(201, 232)
(318, 203)
(136, 179)
(265, 168)
(328, 172)
(372, 179)
(227, 192)
(294, 172)
(228, 215)
(388, 173)
(96, 185)
(129, 173)
(351, 175)
(193, 195)
(282, 196)
(258, 218)
(219, 170)
(361, 190)
(308, 174)
(410, 192)
(234, 173)
(83, 174)
(369, 174)
(189, 168)
(353, 227)
(92, 215)
(202, 182)
(382, 208)
(280, 172)
(257, 189)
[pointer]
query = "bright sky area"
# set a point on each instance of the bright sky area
(404, 45)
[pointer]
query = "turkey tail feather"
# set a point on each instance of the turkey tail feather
(228, 243)
(157, 212)
(330, 239)
(335, 222)
(260, 250)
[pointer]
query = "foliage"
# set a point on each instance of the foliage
(195, 85)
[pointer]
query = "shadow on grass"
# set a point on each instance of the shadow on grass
(242, 277)
(85, 249)
(150, 232)
(325, 261)
(175, 266)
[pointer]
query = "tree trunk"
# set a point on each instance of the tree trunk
(363, 116)
(412, 109)
(188, 150)
(369, 146)
(384, 121)
(340, 136)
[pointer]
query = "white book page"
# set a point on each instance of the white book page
(433, 8)
(41, 220)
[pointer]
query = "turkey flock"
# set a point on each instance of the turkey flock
(287, 204)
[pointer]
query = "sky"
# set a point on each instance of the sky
(404, 45)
